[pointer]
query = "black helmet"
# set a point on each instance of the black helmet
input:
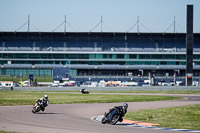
(125, 105)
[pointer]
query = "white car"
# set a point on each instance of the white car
(53, 85)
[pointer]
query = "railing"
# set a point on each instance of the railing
(98, 49)
(131, 77)
(86, 66)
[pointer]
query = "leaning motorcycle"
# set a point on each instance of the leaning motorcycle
(114, 115)
(84, 91)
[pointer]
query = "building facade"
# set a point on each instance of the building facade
(97, 54)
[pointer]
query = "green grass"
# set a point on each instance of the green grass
(184, 117)
(161, 92)
(24, 78)
(7, 132)
(29, 97)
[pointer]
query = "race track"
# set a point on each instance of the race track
(75, 118)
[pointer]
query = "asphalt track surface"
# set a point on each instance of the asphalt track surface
(76, 118)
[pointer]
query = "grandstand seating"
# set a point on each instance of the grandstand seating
(48, 65)
(85, 42)
(17, 65)
(102, 44)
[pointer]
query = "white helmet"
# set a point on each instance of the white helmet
(46, 96)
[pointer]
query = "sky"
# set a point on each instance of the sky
(84, 15)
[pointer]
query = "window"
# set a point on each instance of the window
(145, 56)
(156, 56)
(120, 56)
(132, 56)
(181, 57)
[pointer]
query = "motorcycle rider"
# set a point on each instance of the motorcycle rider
(122, 108)
(84, 91)
(43, 102)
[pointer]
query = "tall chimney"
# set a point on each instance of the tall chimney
(189, 46)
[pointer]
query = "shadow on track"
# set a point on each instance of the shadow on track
(123, 124)
(43, 113)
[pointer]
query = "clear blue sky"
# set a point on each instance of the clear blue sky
(83, 15)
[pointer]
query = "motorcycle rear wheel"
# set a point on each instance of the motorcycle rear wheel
(115, 119)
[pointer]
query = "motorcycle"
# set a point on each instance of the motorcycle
(37, 107)
(115, 114)
(84, 91)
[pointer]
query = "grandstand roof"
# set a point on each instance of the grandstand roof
(98, 40)
(96, 35)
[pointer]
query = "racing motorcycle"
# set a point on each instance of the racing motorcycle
(37, 107)
(84, 91)
(113, 116)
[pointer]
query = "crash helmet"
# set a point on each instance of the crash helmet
(125, 105)
(46, 96)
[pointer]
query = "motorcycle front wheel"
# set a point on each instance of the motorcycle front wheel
(103, 121)
(115, 119)
(34, 110)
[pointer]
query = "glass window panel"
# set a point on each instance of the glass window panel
(132, 56)
(156, 56)
(180, 56)
(58, 56)
(120, 56)
(169, 56)
(34, 56)
(92, 56)
(145, 56)
(126, 56)
(99, 56)
(196, 56)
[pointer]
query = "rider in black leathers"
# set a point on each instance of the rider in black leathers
(122, 109)
(43, 102)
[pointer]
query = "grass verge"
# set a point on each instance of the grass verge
(184, 117)
(142, 91)
(29, 97)
(17, 79)
(7, 132)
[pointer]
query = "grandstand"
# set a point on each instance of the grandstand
(98, 55)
